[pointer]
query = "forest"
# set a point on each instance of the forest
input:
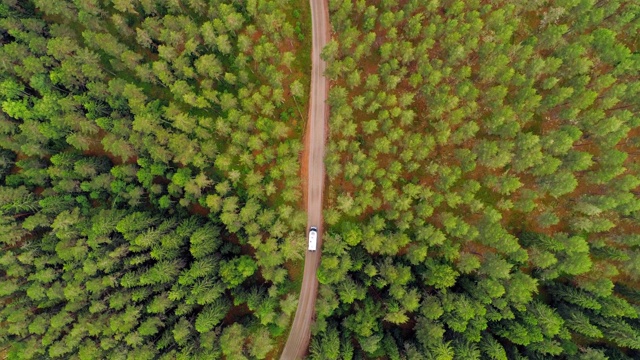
(483, 181)
(149, 177)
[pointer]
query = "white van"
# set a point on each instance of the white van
(313, 238)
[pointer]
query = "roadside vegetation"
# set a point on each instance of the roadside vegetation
(483, 181)
(150, 177)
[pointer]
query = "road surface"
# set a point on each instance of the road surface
(298, 341)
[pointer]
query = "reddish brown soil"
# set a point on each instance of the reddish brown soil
(96, 149)
(198, 209)
(235, 313)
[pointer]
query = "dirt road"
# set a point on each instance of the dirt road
(298, 341)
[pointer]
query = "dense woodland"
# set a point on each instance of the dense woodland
(483, 179)
(483, 169)
(149, 177)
